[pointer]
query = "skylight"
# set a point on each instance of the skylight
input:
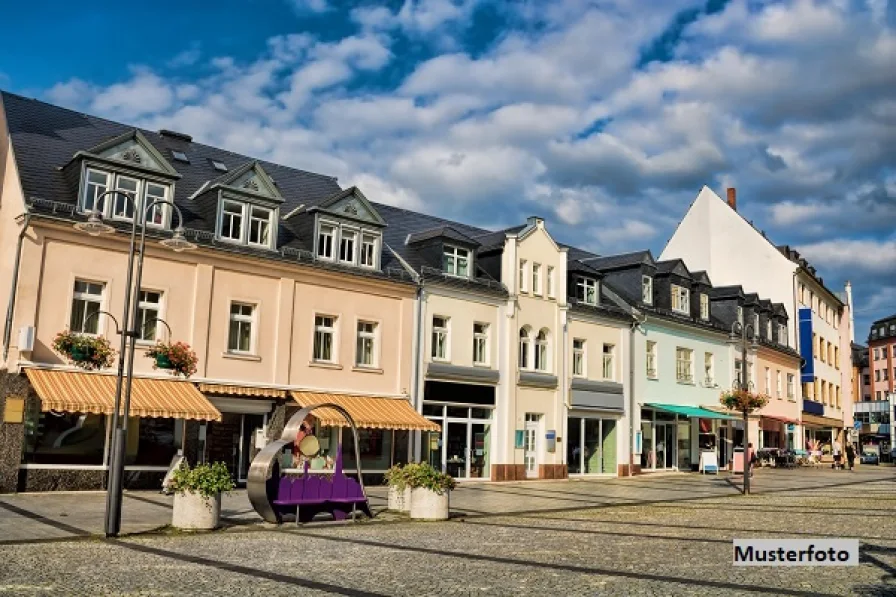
(219, 166)
(180, 156)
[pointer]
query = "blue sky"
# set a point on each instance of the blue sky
(606, 117)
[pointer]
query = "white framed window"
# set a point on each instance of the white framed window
(551, 292)
(704, 306)
(709, 369)
(768, 380)
(578, 357)
(738, 378)
(684, 365)
(97, 183)
(768, 330)
(456, 261)
(647, 290)
(87, 300)
(782, 334)
(347, 246)
(740, 315)
(232, 220)
(525, 347)
(536, 278)
(324, 339)
(368, 250)
(366, 350)
(524, 276)
(586, 290)
(240, 338)
(608, 362)
(440, 337)
(651, 360)
(260, 226)
(756, 328)
(541, 351)
(779, 385)
(149, 306)
(680, 299)
(480, 343)
(325, 237)
(123, 209)
(791, 386)
(155, 192)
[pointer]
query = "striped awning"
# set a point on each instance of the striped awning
(246, 391)
(76, 392)
(367, 411)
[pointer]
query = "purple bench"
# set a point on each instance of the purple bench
(311, 495)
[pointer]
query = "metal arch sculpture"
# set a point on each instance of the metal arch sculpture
(262, 482)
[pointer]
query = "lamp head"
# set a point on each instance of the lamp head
(94, 225)
(178, 242)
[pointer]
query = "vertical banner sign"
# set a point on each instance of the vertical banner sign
(807, 370)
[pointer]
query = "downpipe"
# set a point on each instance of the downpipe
(416, 449)
(631, 392)
(11, 304)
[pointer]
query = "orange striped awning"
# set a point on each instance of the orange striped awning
(73, 391)
(246, 391)
(368, 412)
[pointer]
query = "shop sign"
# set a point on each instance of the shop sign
(14, 410)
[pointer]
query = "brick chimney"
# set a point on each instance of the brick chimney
(732, 198)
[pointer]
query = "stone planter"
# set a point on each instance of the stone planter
(194, 512)
(429, 505)
(400, 501)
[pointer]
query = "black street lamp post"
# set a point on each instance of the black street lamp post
(745, 336)
(95, 227)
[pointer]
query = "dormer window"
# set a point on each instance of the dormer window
(704, 307)
(456, 261)
(647, 290)
(260, 226)
(681, 300)
(586, 291)
(368, 251)
(325, 241)
(740, 315)
(756, 324)
(232, 221)
(768, 330)
(114, 205)
(246, 224)
(347, 246)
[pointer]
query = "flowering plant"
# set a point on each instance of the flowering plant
(87, 352)
(177, 357)
(743, 400)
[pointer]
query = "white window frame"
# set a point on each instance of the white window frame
(144, 306)
(542, 355)
(585, 284)
(579, 357)
(135, 196)
(550, 276)
(740, 315)
(756, 329)
(536, 279)
(524, 358)
(443, 331)
(791, 386)
(326, 230)
(779, 384)
(684, 364)
(372, 241)
(348, 235)
(524, 275)
(704, 306)
(609, 362)
(105, 187)
(481, 344)
(323, 329)
(768, 380)
(646, 290)
(251, 219)
(162, 210)
(239, 319)
(87, 297)
(681, 298)
(650, 350)
(453, 253)
(363, 335)
(709, 369)
(242, 219)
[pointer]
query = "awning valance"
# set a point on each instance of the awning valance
(76, 392)
(822, 421)
(689, 411)
(780, 419)
(247, 391)
(367, 411)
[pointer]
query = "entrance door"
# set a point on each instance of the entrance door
(457, 449)
(665, 445)
(530, 446)
(247, 449)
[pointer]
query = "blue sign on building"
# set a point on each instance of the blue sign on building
(807, 370)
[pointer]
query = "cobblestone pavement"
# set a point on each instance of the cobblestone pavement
(677, 543)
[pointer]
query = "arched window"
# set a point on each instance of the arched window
(541, 351)
(524, 348)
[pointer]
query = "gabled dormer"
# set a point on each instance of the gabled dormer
(444, 248)
(246, 204)
(348, 230)
(780, 320)
(701, 306)
(727, 304)
(128, 163)
(583, 283)
(672, 287)
(766, 329)
(632, 274)
(752, 309)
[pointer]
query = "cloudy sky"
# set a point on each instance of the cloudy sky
(606, 117)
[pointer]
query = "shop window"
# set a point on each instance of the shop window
(156, 444)
(64, 438)
(375, 446)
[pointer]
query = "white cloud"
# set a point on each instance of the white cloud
(313, 6)
(850, 255)
(187, 57)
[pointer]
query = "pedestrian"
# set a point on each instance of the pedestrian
(751, 457)
(838, 455)
(850, 455)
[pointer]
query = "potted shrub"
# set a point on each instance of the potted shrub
(430, 491)
(197, 495)
(176, 357)
(399, 490)
(85, 351)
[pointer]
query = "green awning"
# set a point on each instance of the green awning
(689, 411)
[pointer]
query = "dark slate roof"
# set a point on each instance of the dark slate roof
(620, 261)
(701, 277)
(673, 266)
(446, 232)
(495, 240)
(720, 292)
(885, 319)
(576, 266)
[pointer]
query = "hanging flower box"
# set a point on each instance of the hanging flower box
(743, 401)
(87, 352)
(176, 357)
